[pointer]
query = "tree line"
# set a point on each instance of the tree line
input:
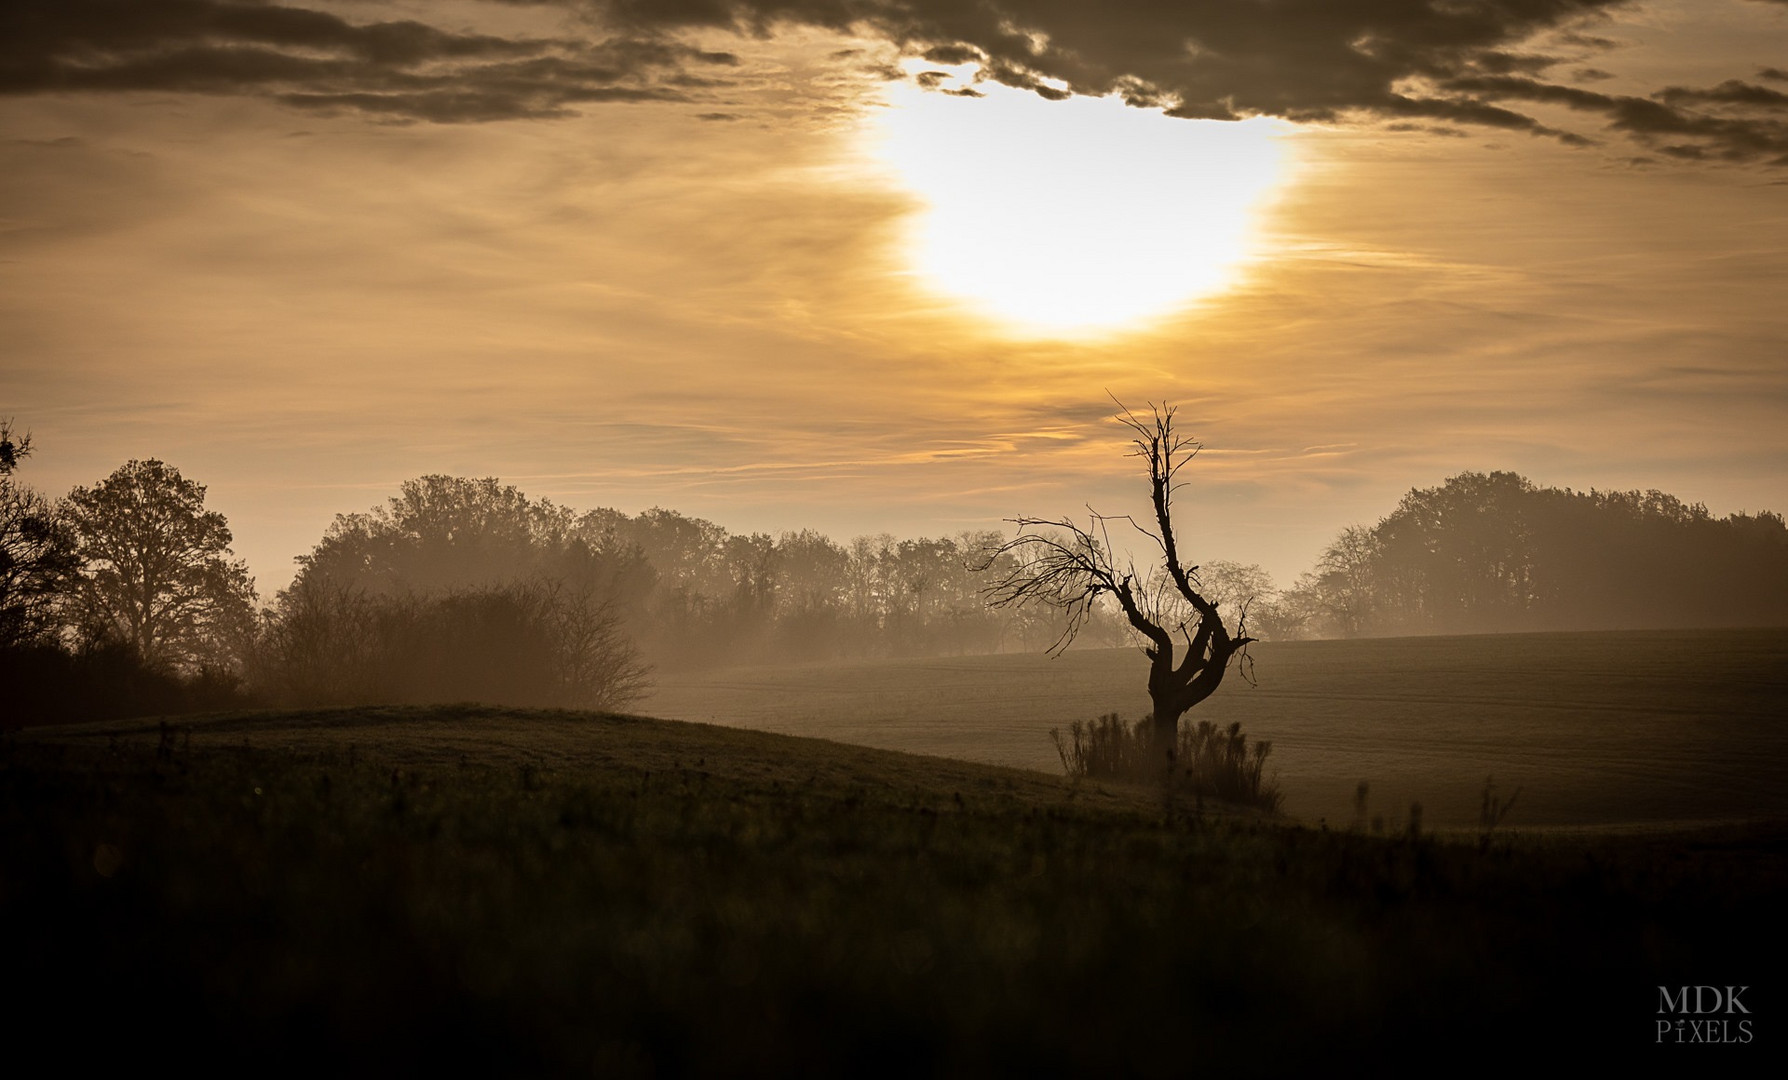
(1496, 553)
(685, 592)
(124, 597)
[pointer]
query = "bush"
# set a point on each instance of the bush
(1207, 760)
(46, 683)
(535, 643)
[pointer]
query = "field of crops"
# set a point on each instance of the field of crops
(1591, 728)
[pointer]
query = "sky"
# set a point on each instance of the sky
(864, 265)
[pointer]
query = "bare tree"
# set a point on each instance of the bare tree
(1061, 564)
(1347, 585)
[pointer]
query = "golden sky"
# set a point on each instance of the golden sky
(864, 265)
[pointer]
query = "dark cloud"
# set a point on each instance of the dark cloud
(954, 54)
(1661, 121)
(403, 70)
(1486, 63)
(1479, 62)
(1730, 92)
(1300, 59)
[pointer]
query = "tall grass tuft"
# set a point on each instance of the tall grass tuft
(1207, 761)
(1491, 811)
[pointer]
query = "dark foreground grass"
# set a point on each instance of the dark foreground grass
(324, 891)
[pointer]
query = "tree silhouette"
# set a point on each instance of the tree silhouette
(458, 589)
(13, 448)
(156, 572)
(35, 551)
(1346, 587)
(1496, 553)
(1061, 564)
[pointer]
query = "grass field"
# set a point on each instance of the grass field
(504, 892)
(1592, 728)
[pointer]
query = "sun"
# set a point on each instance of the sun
(1077, 217)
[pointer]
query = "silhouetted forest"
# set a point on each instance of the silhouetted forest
(408, 601)
(1494, 553)
(123, 598)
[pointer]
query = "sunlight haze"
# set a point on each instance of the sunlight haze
(1075, 217)
(772, 280)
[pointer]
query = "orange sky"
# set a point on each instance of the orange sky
(301, 292)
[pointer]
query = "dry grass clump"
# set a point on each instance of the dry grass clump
(1208, 761)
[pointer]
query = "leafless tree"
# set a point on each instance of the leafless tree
(1067, 566)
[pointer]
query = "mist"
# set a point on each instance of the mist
(874, 538)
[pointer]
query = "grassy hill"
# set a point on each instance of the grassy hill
(1594, 728)
(503, 891)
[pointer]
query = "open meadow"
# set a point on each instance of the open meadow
(1597, 729)
(515, 892)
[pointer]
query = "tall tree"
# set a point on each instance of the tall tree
(36, 555)
(1493, 552)
(1460, 556)
(441, 532)
(461, 589)
(1346, 592)
(156, 572)
(1066, 566)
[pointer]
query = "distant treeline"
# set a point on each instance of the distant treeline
(686, 591)
(1493, 553)
(124, 598)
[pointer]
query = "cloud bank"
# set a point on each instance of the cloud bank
(1500, 64)
(313, 59)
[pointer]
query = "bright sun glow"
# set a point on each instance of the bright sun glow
(1076, 217)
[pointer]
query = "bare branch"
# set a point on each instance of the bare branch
(1063, 565)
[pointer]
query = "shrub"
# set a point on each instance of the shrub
(532, 643)
(46, 683)
(1207, 760)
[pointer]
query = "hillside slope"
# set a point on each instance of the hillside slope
(547, 893)
(1595, 728)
